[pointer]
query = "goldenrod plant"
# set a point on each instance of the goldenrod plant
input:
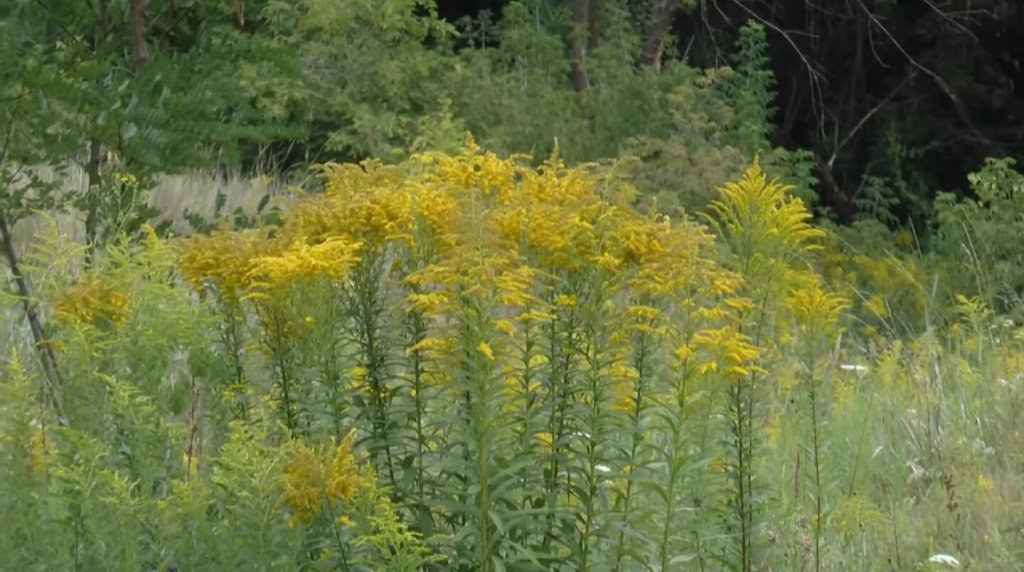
(466, 362)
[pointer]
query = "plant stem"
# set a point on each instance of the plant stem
(742, 492)
(817, 467)
(640, 363)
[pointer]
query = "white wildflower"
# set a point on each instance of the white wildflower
(945, 559)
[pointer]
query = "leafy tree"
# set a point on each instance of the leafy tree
(971, 237)
(125, 90)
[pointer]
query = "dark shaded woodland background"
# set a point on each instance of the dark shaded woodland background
(879, 105)
(935, 83)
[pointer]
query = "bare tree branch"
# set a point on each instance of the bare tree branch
(958, 105)
(952, 21)
(45, 350)
(815, 77)
(863, 120)
(46, 353)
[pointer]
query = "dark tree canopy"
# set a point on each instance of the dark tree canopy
(913, 93)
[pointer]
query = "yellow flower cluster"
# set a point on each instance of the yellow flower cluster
(222, 260)
(332, 258)
(763, 224)
(487, 239)
(310, 479)
(91, 302)
(897, 283)
(816, 311)
(251, 264)
(527, 221)
(729, 352)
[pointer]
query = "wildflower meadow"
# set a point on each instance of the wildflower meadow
(465, 362)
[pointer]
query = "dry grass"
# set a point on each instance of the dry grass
(172, 196)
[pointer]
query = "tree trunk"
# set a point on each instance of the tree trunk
(92, 168)
(580, 28)
(140, 49)
(832, 195)
(655, 44)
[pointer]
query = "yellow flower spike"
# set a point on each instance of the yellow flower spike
(985, 484)
(429, 345)
(761, 221)
(731, 352)
(877, 306)
(91, 302)
(643, 313)
(149, 232)
(607, 261)
(547, 440)
(357, 375)
(535, 316)
(507, 327)
(191, 463)
(344, 477)
(565, 301)
(304, 484)
(222, 260)
(684, 352)
(332, 259)
(485, 349)
(427, 303)
(817, 311)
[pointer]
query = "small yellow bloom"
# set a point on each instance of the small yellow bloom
(535, 316)
(565, 300)
(91, 302)
(426, 303)
(546, 439)
(985, 484)
(428, 345)
(485, 349)
(358, 375)
(506, 327)
(608, 262)
(304, 481)
(684, 352)
(344, 475)
(877, 306)
(310, 480)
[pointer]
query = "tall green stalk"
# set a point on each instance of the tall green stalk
(640, 359)
(368, 313)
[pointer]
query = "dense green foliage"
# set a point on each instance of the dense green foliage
(598, 334)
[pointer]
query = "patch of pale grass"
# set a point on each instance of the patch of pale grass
(197, 193)
(171, 197)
